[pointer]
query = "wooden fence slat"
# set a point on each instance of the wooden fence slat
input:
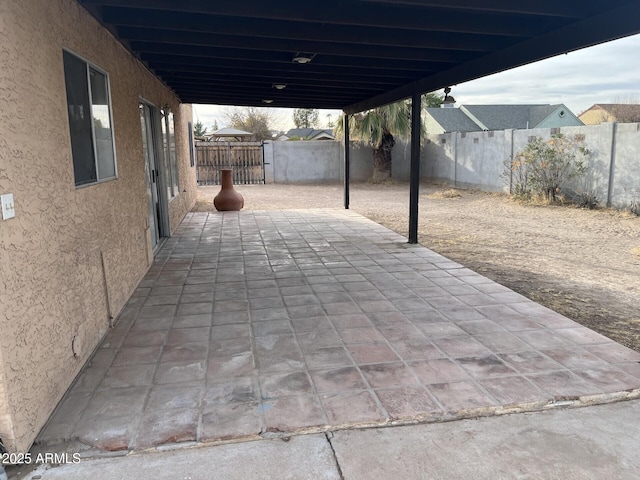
(245, 158)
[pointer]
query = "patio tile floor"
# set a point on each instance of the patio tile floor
(285, 321)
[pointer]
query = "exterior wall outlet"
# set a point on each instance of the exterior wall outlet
(8, 208)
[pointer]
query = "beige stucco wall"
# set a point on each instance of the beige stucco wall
(52, 286)
(180, 205)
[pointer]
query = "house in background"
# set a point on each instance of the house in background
(473, 118)
(308, 134)
(611, 112)
(446, 120)
(108, 178)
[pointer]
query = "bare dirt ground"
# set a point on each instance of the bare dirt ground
(583, 264)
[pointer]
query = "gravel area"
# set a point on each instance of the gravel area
(583, 264)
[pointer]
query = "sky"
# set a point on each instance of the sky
(600, 74)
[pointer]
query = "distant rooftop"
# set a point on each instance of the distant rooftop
(228, 133)
(502, 117)
(470, 118)
(311, 133)
(453, 120)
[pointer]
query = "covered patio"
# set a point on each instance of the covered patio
(273, 323)
(256, 323)
(352, 55)
(263, 323)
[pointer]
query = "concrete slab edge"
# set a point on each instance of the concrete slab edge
(480, 412)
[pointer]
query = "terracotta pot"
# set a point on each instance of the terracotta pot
(228, 199)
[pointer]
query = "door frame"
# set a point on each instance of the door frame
(155, 116)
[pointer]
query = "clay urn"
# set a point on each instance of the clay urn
(228, 199)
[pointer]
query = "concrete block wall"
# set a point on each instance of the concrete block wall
(314, 162)
(625, 184)
(303, 161)
(477, 159)
(469, 160)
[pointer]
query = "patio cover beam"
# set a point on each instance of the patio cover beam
(342, 13)
(552, 8)
(296, 31)
(356, 50)
(251, 57)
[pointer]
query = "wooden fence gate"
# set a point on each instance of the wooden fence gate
(245, 158)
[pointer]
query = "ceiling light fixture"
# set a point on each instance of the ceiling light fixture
(279, 86)
(267, 100)
(303, 58)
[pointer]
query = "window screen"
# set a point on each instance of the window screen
(90, 128)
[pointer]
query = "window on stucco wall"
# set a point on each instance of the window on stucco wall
(90, 121)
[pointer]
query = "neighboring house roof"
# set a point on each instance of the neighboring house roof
(620, 107)
(607, 112)
(311, 133)
(502, 117)
(537, 114)
(469, 118)
(228, 133)
(453, 120)
(498, 117)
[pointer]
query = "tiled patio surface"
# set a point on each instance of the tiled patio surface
(285, 321)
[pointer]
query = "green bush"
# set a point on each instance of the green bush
(545, 167)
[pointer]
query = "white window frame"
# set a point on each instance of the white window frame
(170, 152)
(93, 66)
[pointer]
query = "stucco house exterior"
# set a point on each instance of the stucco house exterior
(475, 118)
(611, 112)
(108, 176)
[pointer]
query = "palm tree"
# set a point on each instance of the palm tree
(377, 128)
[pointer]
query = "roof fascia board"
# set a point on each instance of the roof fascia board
(473, 118)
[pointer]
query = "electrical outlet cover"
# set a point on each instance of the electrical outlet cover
(8, 207)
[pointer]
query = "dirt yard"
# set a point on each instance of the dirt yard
(583, 264)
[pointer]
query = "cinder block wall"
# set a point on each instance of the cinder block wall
(469, 160)
(477, 159)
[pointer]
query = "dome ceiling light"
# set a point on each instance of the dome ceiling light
(303, 58)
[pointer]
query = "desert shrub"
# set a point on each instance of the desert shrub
(545, 167)
(633, 206)
(446, 193)
(451, 193)
(587, 199)
(516, 177)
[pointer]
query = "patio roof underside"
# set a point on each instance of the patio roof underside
(365, 52)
